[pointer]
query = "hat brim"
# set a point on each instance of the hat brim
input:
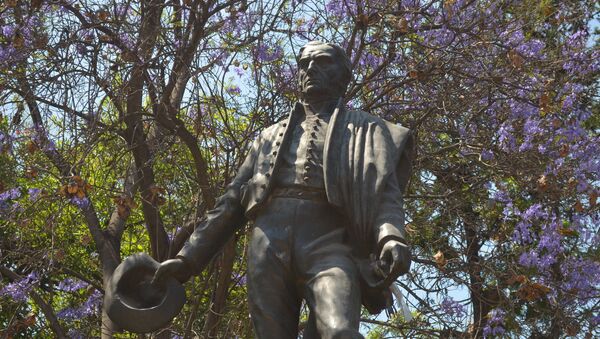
(132, 303)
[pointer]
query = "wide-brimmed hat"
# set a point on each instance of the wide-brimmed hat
(134, 303)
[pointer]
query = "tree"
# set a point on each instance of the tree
(121, 122)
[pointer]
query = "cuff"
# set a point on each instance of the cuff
(388, 232)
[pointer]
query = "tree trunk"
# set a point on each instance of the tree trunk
(221, 291)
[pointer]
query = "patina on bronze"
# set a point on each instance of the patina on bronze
(324, 189)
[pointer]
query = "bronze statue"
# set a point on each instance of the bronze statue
(324, 188)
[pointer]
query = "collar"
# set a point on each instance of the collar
(298, 110)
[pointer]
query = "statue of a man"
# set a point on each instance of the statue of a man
(324, 188)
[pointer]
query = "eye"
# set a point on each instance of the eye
(324, 60)
(303, 63)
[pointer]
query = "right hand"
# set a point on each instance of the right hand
(176, 268)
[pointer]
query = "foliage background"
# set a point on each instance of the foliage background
(121, 122)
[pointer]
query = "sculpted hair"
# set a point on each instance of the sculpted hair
(341, 57)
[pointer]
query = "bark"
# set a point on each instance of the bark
(475, 279)
(136, 137)
(221, 291)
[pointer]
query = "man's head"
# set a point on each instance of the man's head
(324, 71)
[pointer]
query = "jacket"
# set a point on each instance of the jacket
(366, 167)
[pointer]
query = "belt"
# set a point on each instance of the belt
(300, 192)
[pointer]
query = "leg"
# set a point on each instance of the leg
(273, 299)
(333, 296)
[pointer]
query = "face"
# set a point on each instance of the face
(320, 72)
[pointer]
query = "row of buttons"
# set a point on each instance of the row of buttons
(272, 162)
(310, 149)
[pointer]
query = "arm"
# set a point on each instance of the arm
(392, 248)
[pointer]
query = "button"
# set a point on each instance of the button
(274, 152)
(313, 134)
(284, 124)
(310, 150)
(318, 121)
(316, 128)
(267, 175)
(306, 178)
(307, 167)
(278, 143)
(271, 164)
(280, 134)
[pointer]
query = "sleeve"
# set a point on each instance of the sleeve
(389, 221)
(222, 221)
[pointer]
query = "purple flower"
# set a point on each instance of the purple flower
(90, 307)
(11, 194)
(71, 285)
(34, 193)
(452, 307)
(80, 48)
(128, 41)
(531, 49)
(120, 10)
(238, 71)
(233, 90)
(502, 196)
(239, 279)
(268, 53)
(340, 8)
(528, 259)
(522, 233)
(9, 30)
(534, 211)
(506, 138)
(493, 326)
(80, 202)
(76, 334)
(18, 290)
(487, 155)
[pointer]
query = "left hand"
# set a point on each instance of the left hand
(394, 259)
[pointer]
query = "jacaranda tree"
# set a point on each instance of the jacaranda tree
(121, 121)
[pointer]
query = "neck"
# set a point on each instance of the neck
(319, 106)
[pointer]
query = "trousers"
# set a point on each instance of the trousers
(298, 252)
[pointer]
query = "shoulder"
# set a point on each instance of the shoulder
(276, 126)
(358, 115)
(399, 134)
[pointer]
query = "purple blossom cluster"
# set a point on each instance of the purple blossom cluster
(494, 326)
(452, 307)
(239, 279)
(71, 285)
(233, 90)
(268, 53)
(89, 307)
(19, 290)
(34, 193)
(82, 203)
(17, 40)
(7, 199)
(581, 277)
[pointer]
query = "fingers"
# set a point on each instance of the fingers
(400, 260)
